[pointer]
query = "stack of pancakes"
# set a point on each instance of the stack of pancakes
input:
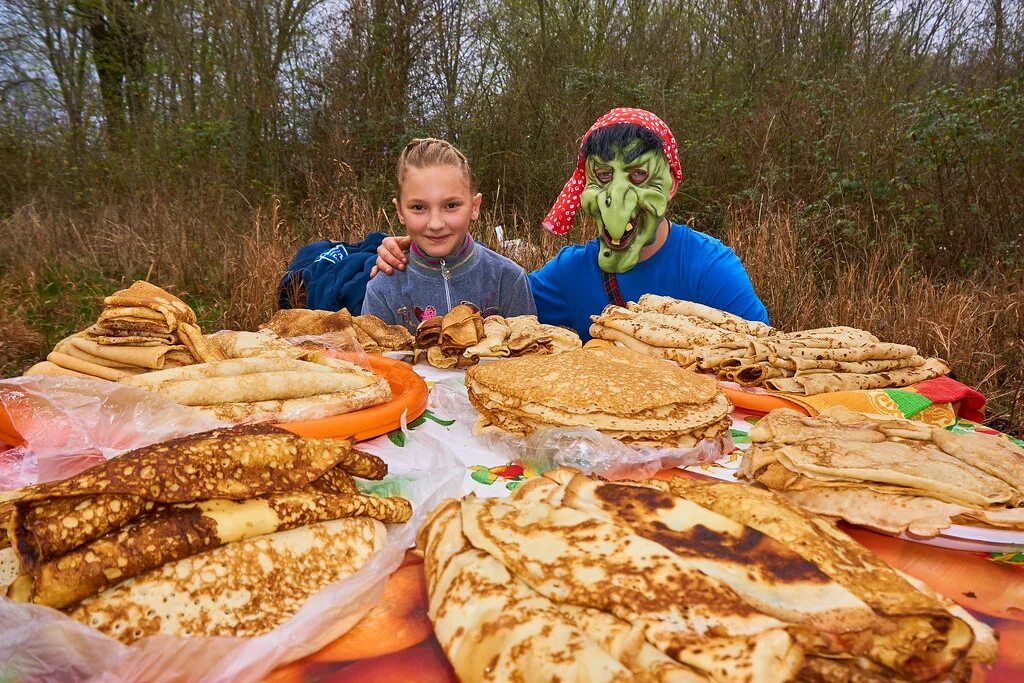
(621, 393)
(141, 328)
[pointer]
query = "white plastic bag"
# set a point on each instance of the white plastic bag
(69, 424)
(41, 644)
(582, 448)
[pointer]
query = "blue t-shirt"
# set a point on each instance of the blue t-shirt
(690, 265)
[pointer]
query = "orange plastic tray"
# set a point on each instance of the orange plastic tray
(408, 395)
(759, 403)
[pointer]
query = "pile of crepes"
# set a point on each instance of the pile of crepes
(461, 337)
(888, 474)
(148, 338)
(580, 579)
(163, 539)
(750, 353)
(142, 328)
(314, 329)
(636, 399)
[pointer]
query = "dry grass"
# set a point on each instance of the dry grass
(226, 258)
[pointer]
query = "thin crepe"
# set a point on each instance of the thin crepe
(810, 385)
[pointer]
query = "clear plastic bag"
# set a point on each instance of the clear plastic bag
(584, 449)
(59, 426)
(41, 644)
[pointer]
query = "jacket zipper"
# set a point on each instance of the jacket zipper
(446, 275)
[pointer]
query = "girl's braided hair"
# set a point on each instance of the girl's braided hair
(429, 152)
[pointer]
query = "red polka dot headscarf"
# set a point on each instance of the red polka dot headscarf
(559, 219)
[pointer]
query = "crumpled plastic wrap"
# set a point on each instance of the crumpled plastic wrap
(42, 644)
(584, 449)
(59, 426)
(336, 345)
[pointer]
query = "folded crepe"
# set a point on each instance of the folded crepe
(241, 589)
(926, 639)
(562, 338)
(151, 357)
(262, 344)
(495, 341)
(428, 333)
(461, 328)
(91, 369)
(526, 336)
(767, 574)
(164, 502)
(386, 337)
(555, 551)
(491, 625)
(143, 295)
(53, 370)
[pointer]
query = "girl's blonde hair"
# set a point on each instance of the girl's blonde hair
(428, 152)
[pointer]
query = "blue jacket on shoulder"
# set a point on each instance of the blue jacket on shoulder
(332, 275)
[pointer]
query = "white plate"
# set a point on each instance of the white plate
(974, 539)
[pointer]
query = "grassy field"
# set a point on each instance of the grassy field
(225, 260)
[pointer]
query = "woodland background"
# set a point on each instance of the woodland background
(864, 157)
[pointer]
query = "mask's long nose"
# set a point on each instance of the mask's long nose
(617, 205)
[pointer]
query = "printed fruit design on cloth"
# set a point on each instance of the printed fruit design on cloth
(513, 473)
(397, 436)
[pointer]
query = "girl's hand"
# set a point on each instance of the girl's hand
(391, 255)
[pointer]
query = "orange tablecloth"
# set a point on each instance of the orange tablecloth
(395, 642)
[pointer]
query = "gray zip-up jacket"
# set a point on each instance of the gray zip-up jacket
(433, 286)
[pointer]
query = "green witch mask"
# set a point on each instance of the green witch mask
(627, 196)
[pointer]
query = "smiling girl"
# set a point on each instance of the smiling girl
(436, 202)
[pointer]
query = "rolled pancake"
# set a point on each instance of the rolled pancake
(911, 464)
(493, 627)
(262, 344)
(810, 385)
(263, 386)
(235, 367)
(866, 352)
(151, 357)
(258, 459)
(428, 333)
(729, 321)
(494, 344)
(142, 294)
(553, 550)
(803, 365)
(241, 589)
(684, 357)
(53, 527)
(925, 630)
(175, 532)
(307, 408)
(91, 369)
(766, 574)
(201, 349)
(756, 374)
(663, 330)
(387, 337)
(437, 358)
(53, 370)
